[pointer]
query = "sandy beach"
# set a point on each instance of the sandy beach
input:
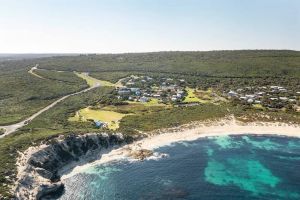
(191, 132)
(145, 148)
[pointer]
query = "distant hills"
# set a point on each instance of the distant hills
(7, 56)
(238, 63)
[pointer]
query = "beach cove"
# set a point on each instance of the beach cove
(168, 137)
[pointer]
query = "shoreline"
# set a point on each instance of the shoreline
(189, 132)
(144, 148)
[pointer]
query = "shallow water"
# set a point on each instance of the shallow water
(225, 167)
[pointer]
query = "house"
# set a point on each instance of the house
(100, 124)
(282, 90)
(171, 87)
(144, 99)
(138, 93)
(149, 78)
(274, 87)
(178, 95)
(243, 98)
(250, 101)
(260, 93)
(124, 91)
(156, 95)
(134, 89)
(283, 98)
(130, 83)
(180, 92)
(232, 93)
(187, 105)
(250, 96)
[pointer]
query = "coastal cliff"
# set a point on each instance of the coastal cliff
(40, 167)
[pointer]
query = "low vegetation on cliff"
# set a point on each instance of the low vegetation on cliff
(207, 75)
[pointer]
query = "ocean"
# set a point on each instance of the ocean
(215, 168)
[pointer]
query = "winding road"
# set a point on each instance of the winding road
(14, 127)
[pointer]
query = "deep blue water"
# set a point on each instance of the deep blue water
(227, 167)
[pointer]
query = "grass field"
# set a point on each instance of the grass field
(110, 117)
(152, 102)
(191, 97)
(22, 93)
(258, 106)
(203, 96)
(93, 81)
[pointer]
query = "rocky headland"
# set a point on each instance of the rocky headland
(40, 168)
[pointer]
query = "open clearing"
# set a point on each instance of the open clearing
(93, 81)
(202, 96)
(152, 102)
(110, 117)
(191, 97)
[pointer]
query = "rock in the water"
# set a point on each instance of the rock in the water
(141, 154)
(45, 163)
(44, 173)
(45, 190)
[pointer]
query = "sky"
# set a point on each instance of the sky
(118, 26)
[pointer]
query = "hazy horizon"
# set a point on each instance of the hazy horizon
(134, 26)
(141, 52)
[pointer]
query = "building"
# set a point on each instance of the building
(283, 98)
(100, 124)
(156, 95)
(232, 93)
(134, 89)
(144, 99)
(250, 101)
(124, 91)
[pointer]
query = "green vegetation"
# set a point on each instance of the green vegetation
(50, 123)
(135, 108)
(248, 63)
(202, 96)
(93, 81)
(32, 71)
(151, 102)
(258, 106)
(22, 94)
(191, 97)
(110, 117)
(65, 77)
(172, 117)
(246, 113)
(209, 73)
(111, 77)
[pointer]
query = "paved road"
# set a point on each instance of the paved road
(14, 127)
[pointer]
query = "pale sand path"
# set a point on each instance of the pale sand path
(14, 127)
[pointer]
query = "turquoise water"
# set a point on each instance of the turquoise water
(226, 167)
